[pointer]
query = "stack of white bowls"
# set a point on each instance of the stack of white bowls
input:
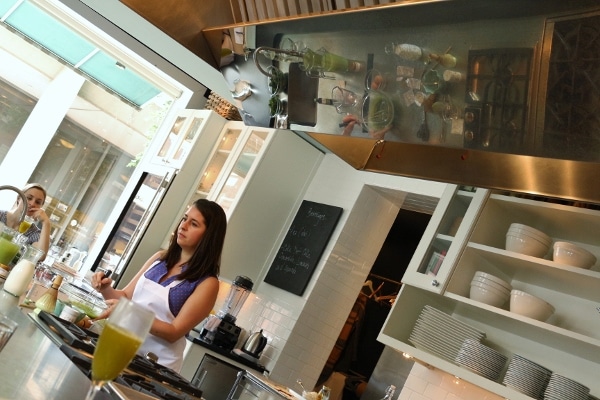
(489, 289)
(526, 240)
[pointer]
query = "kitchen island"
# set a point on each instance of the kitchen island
(32, 366)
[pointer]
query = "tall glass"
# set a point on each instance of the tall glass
(8, 245)
(122, 336)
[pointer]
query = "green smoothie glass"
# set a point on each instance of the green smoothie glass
(8, 245)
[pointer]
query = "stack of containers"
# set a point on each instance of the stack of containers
(489, 289)
(526, 240)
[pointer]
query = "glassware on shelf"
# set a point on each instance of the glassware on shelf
(377, 110)
(343, 100)
(277, 80)
(446, 60)
(445, 108)
(432, 81)
(316, 63)
(405, 51)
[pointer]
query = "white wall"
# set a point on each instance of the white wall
(302, 330)
(433, 384)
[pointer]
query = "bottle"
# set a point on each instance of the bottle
(389, 392)
(47, 302)
(324, 393)
(20, 276)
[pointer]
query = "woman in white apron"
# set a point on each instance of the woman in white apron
(179, 284)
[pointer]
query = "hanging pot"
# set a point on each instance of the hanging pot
(255, 344)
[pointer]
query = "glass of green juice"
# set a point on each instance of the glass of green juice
(123, 334)
(8, 247)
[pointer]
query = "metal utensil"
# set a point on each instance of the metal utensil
(299, 382)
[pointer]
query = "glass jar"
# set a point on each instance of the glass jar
(20, 276)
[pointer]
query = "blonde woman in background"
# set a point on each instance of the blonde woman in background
(38, 234)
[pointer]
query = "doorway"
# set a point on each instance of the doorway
(358, 358)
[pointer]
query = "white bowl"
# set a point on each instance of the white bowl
(494, 289)
(529, 231)
(529, 234)
(573, 255)
(491, 284)
(526, 245)
(494, 279)
(530, 306)
(487, 296)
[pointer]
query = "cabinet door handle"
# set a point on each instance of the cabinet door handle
(435, 283)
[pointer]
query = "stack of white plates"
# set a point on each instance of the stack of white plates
(481, 359)
(527, 377)
(442, 335)
(563, 388)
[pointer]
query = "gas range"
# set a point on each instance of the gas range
(142, 375)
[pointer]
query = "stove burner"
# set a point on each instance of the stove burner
(70, 333)
(142, 374)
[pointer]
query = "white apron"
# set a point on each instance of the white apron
(155, 297)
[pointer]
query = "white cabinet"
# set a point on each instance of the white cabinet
(257, 175)
(568, 343)
(181, 139)
(444, 238)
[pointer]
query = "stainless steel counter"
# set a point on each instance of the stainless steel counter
(32, 366)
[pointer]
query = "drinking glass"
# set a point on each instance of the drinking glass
(343, 99)
(124, 332)
(26, 223)
(7, 328)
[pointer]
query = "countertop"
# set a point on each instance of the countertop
(255, 365)
(32, 366)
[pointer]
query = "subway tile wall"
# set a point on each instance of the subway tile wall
(302, 330)
(432, 384)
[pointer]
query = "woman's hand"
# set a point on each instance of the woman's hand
(111, 303)
(350, 121)
(99, 282)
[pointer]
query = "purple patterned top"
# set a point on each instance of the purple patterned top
(179, 293)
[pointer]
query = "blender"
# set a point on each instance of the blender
(220, 329)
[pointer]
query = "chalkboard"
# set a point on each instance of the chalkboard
(303, 246)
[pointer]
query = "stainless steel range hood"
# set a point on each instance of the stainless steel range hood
(560, 154)
(574, 180)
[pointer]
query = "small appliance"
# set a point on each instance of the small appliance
(220, 329)
(255, 344)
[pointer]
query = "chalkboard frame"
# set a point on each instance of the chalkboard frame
(303, 246)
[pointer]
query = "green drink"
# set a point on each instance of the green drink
(8, 251)
(334, 63)
(312, 61)
(116, 348)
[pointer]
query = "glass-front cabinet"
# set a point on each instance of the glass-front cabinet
(444, 237)
(231, 164)
(243, 163)
(229, 137)
(183, 134)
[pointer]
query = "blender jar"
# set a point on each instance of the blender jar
(240, 289)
